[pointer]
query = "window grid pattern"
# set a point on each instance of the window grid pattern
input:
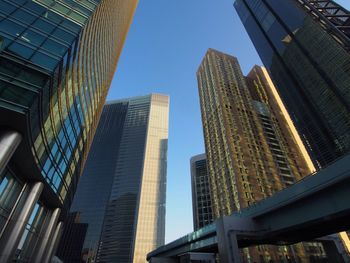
(309, 62)
(201, 200)
(57, 62)
(251, 151)
(134, 221)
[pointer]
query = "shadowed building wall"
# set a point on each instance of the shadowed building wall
(73, 236)
(305, 47)
(201, 201)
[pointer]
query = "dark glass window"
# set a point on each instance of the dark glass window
(11, 28)
(4, 42)
(44, 61)
(23, 16)
(71, 26)
(54, 47)
(6, 8)
(63, 35)
(44, 26)
(21, 50)
(33, 7)
(16, 94)
(292, 16)
(33, 37)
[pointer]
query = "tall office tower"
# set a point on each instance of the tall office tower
(121, 195)
(57, 59)
(74, 235)
(252, 147)
(201, 202)
(305, 46)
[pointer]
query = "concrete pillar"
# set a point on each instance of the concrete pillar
(51, 248)
(227, 243)
(229, 229)
(14, 230)
(9, 141)
(48, 232)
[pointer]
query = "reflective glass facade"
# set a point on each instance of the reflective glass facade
(121, 195)
(53, 71)
(57, 59)
(308, 58)
(252, 147)
(201, 201)
(73, 236)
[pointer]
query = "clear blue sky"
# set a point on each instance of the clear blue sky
(165, 45)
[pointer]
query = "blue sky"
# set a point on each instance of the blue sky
(165, 45)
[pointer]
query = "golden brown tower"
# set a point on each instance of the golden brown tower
(253, 149)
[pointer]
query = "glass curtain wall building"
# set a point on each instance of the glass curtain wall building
(305, 46)
(201, 201)
(57, 59)
(121, 195)
(74, 235)
(252, 147)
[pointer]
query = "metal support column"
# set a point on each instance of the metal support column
(9, 141)
(52, 246)
(14, 231)
(47, 234)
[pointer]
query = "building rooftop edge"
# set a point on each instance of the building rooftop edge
(109, 102)
(198, 157)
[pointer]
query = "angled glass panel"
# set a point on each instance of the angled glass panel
(33, 37)
(23, 16)
(44, 26)
(11, 27)
(21, 50)
(6, 8)
(44, 61)
(54, 47)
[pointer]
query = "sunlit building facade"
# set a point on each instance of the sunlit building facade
(57, 59)
(201, 201)
(252, 147)
(305, 46)
(121, 195)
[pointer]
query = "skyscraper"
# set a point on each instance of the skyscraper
(121, 195)
(201, 202)
(305, 47)
(252, 147)
(57, 59)
(73, 235)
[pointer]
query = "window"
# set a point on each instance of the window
(44, 61)
(54, 47)
(33, 37)
(21, 50)
(11, 28)
(23, 16)
(6, 8)
(63, 35)
(44, 26)
(2, 43)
